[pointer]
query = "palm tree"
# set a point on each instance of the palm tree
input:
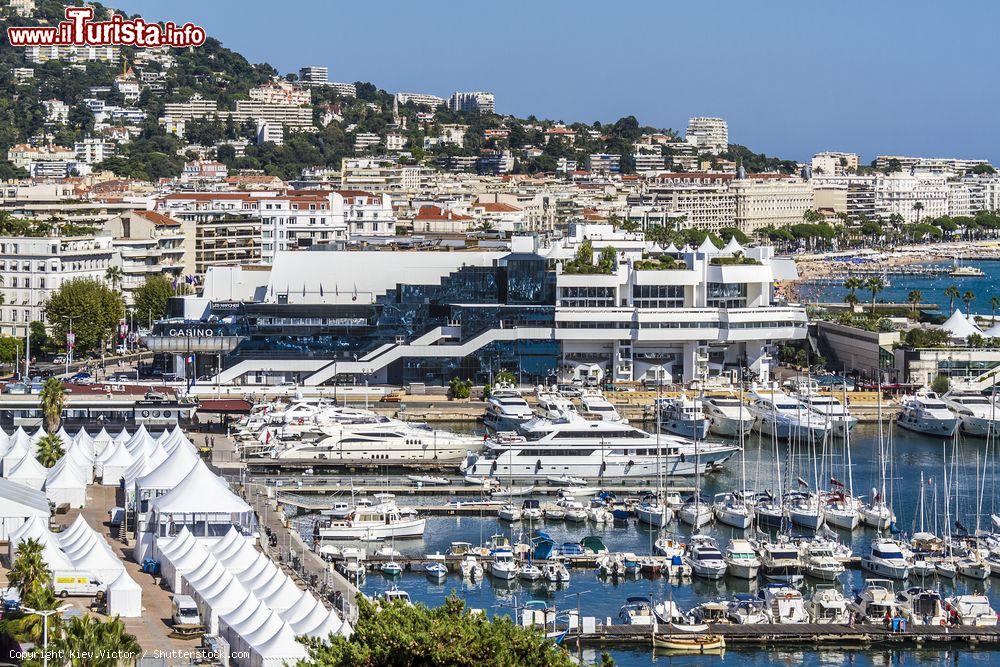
(967, 299)
(50, 450)
(994, 304)
(52, 399)
(952, 294)
(853, 284)
(105, 642)
(114, 276)
(875, 284)
(914, 297)
(918, 207)
(29, 567)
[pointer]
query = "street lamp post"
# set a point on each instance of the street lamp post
(45, 627)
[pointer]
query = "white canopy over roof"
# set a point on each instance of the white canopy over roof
(993, 331)
(66, 482)
(733, 246)
(200, 492)
(124, 597)
(28, 471)
(959, 326)
(707, 247)
(123, 436)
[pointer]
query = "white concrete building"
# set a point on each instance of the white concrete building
(708, 134)
(56, 112)
(33, 268)
(93, 150)
(148, 243)
(363, 140)
(270, 132)
(770, 200)
(478, 101)
(834, 163)
(281, 92)
(313, 75)
(72, 54)
(433, 101)
(367, 214)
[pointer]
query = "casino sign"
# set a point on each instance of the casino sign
(187, 336)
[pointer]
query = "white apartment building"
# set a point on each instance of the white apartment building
(913, 196)
(478, 101)
(708, 134)
(299, 118)
(148, 243)
(433, 101)
(72, 54)
(344, 89)
(24, 155)
(834, 163)
(227, 225)
(196, 107)
(395, 142)
(763, 201)
(128, 86)
(649, 162)
(936, 165)
(297, 220)
(93, 150)
(363, 140)
(705, 199)
(367, 214)
(375, 174)
(23, 8)
(604, 163)
(34, 268)
(281, 92)
(56, 112)
(270, 132)
(313, 75)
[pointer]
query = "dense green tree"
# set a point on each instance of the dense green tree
(49, 450)
(404, 635)
(10, 349)
(52, 399)
(98, 643)
(29, 566)
(150, 299)
(95, 310)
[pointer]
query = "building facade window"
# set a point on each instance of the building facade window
(587, 297)
(727, 295)
(658, 296)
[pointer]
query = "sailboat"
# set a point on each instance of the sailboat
(878, 513)
(696, 513)
(734, 508)
(840, 507)
(654, 511)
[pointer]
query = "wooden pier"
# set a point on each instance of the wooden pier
(806, 634)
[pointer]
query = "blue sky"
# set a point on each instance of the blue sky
(791, 77)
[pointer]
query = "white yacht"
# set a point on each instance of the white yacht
(785, 417)
(553, 405)
(828, 406)
(596, 406)
(978, 414)
(728, 416)
(529, 572)
(922, 606)
(972, 610)
(380, 521)
(579, 447)
(876, 600)
(704, 557)
(388, 441)
(804, 510)
(555, 572)
(506, 409)
(842, 510)
(828, 606)
(733, 509)
(924, 412)
(683, 416)
(503, 566)
(741, 560)
(877, 514)
(784, 604)
(819, 562)
(885, 558)
(654, 512)
(695, 512)
(780, 561)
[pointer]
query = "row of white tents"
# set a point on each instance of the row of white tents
(82, 550)
(960, 326)
(86, 458)
(245, 598)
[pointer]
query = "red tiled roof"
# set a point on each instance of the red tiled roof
(496, 207)
(437, 213)
(158, 219)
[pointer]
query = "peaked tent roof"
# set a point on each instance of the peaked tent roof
(65, 475)
(733, 246)
(119, 457)
(18, 493)
(959, 326)
(993, 331)
(27, 468)
(707, 246)
(199, 492)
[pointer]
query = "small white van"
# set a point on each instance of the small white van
(68, 583)
(185, 611)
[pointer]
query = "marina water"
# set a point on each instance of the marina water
(912, 455)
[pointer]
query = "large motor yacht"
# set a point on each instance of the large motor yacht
(595, 406)
(885, 558)
(578, 447)
(979, 415)
(924, 412)
(381, 521)
(786, 417)
(386, 441)
(728, 416)
(506, 409)
(683, 416)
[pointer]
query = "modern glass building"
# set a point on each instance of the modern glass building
(398, 317)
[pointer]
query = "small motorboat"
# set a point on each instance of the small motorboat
(392, 569)
(394, 595)
(428, 480)
(471, 568)
(531, 510)
(689, 644)
(556, 572)
(509, 513)
(435, 567)
(529, 572)
(565, 480)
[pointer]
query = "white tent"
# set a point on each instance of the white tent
(993, 331)
(203, 501)
(707, 247)
(274, 646)
(179, 556)
(98, 559)
(85, 440)
(123, 436)
(320, 622)
(112, 468)
(19, 448)
(75, 529)
(209, 584)
(124, 597)
(81, 456)
(37, 435)
(66, 438)
(169, 472)
(958, 326)
(36, 528)
(733, 246)
(28, 471)
(66, 483)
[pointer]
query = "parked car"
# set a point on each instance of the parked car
(82, 378)
(185, 611)
(59, 359)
